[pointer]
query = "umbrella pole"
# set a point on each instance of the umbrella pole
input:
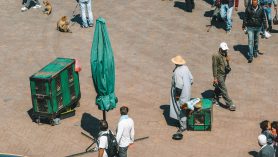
(104, 115)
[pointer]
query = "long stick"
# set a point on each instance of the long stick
(104, 115)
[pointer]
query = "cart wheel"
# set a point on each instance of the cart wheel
(52, 122)
(38, 121)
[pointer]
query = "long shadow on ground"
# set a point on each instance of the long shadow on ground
(185, 6)
(90, 124)
(76, 19)
(243, 49)
(166, 112)
(218, 23)
(253, 153)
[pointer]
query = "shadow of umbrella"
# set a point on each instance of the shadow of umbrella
(90, 124)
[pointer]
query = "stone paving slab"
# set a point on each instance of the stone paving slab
(145, 35)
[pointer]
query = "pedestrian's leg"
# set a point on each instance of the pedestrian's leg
(229, 18)
(250, 42)
(27, 4)
(269, 19)
(256, 41)
(182, 120)
(223, 12)
(223, 89)
(90, 13)
(83, 14)
(37, 2)
(123, 151)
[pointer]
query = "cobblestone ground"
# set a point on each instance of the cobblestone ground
(145, 35)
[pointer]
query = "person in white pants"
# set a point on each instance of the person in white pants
(27, 5)
(86, 5)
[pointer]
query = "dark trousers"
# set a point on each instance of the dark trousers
(221, 89)
(123, 151)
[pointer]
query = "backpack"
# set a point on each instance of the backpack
(113, 147)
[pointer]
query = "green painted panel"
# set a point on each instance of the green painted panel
(65, 87)
(54, 95)
(33, 92)
(53, 68)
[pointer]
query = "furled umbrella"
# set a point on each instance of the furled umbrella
(103, 69)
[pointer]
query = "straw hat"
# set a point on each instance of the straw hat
(178, 60)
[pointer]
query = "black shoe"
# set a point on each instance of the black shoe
(255, 55)
(250, 60)
(82, 26)
(232, 108)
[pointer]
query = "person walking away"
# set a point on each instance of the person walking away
(102, 139)
(86, 5)
(27, 5)
(266, 5)
(253, 20)
(220, 69)
(266, 150)
(226, 11)
(182, 80)
(267, 131)
(125, 132)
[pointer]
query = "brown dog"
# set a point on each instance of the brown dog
(63, 25)
(47, 8)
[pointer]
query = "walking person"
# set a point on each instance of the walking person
(254, 19)
(266, 149)
(182, 80)
(27, 5)
(103, 140)
(266, 5)
(125, 132)
(220, 69)
(226, 11)
(86, 5)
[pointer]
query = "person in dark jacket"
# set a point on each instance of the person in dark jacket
(266, 5)
(226, 11)
(254, 20)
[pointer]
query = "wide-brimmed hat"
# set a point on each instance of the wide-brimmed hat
(178, 60)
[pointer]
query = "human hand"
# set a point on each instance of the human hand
(236, 8)
(130, 145)
(215, 81)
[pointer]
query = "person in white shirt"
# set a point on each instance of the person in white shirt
(125, 132)
(102, 140)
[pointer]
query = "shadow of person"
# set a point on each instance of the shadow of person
(274, 31)
(243, 49)
(166, 113)
(187, 6)
(180, 5)
(76, 19)
(253, 153)
(208, 94)
(90, 124)
(241, 15)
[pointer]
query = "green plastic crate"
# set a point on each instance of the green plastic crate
(201, 120)
(55, 88)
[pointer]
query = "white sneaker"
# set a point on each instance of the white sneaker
(24, 9)
(37, 6)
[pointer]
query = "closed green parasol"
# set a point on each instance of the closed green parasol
(102, 67)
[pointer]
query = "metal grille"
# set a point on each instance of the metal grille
(70, 75)
(72, 92)
(199, 119)
(60, 101)
(58, 84)
(40, 88)
(42, 105)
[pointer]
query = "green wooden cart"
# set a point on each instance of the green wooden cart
(201, 120)
(55, 89)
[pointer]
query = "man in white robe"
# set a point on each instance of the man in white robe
(180, 91)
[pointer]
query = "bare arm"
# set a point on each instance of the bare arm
(100, 152)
